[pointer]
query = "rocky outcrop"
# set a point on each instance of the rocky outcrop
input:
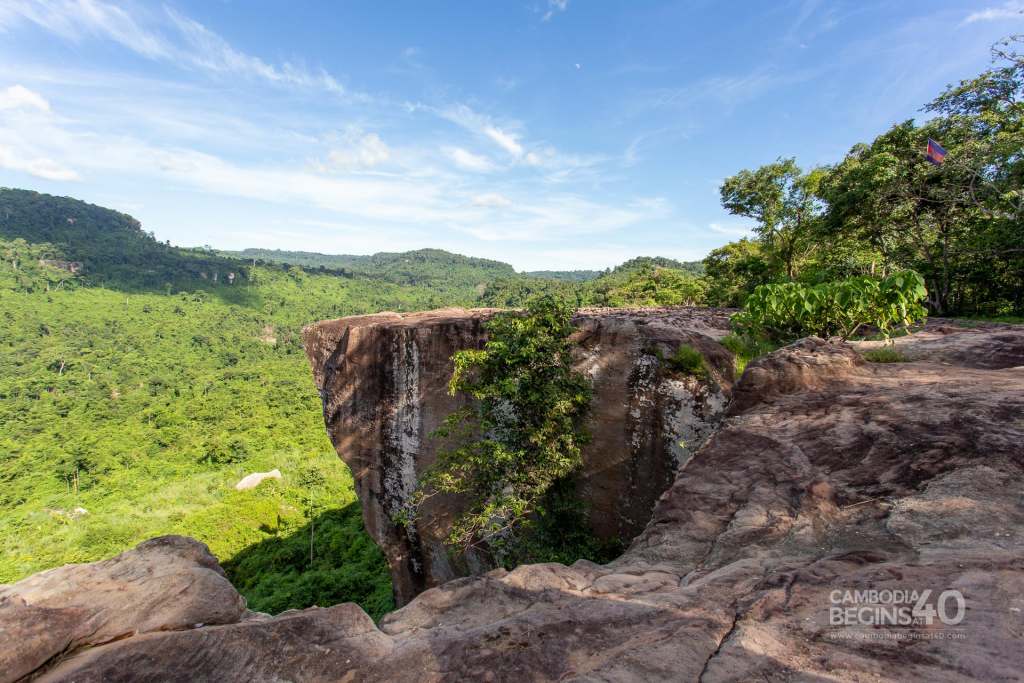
(384, 378)
(165, 584)
(852, 477)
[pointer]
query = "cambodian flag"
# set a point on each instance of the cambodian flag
(936, 153)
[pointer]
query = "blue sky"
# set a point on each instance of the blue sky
(545, 133)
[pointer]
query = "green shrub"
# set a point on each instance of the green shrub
(656, 286)
(886, 354)
(789, 311)
(688, 360)
(746, 349)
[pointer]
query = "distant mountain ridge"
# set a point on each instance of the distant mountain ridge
(112, 246)
(410, 267)
(116, 252)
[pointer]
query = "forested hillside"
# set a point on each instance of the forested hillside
(443, 271)
(127, 415)
(112, 248)
(643, 281)
(131, 410)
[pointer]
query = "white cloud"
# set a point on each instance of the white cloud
(555, 6)
(468, 161)
(437, 204)
(168, 37)
(732, 230)
(19, 97)
(480, 124)
(1009, 10)
(358, 150)
(40, 167)
(492, 200)
(534, 154)
(507, 141)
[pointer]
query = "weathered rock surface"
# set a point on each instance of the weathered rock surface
(384, 383)
(846, 475)
(990, 345)
(164, 584)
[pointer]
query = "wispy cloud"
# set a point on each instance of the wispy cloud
(731, 230)
(492, 200)
(733, 90)
(482, 125)
(20, 97)
(1009, 10)
(557, 165)
(469, 161)
(507, 141)
(554, 7)
(167, 37)
(355, 150)
(40, 167)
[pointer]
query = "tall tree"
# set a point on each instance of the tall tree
(734, 270)
(944, 221)
(784, 201)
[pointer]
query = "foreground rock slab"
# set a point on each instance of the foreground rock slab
(830, 475)
(384, 378)
(164, 584)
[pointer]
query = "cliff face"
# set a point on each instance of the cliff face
(383, 380)
(830, 476)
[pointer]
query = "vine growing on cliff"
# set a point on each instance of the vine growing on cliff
(520, 435)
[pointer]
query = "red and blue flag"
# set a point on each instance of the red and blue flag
(936, 152)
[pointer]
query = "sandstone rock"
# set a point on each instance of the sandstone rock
(163, 584)
(904, 476)
(991, 345)
(384, 378)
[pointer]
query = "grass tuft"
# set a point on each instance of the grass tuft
(689, 360)
(886, 354)
(745, 349)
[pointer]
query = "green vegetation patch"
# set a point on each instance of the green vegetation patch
(688, 360)
(792, 310)
(746, 349)
(529, 405)
(885, 354)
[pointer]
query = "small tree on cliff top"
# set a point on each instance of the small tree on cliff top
(523, 430)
